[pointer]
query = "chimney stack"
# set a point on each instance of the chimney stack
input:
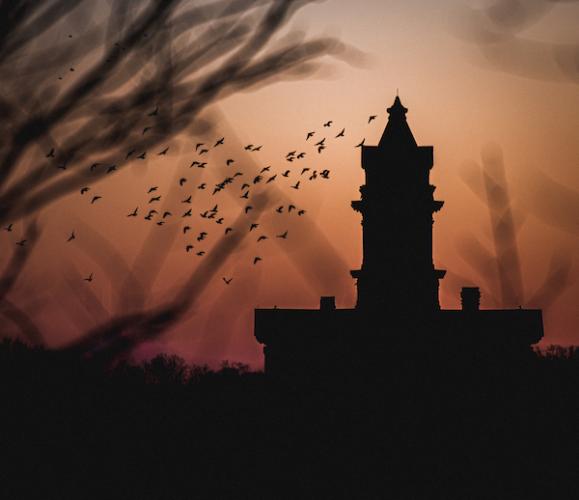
(470, 298)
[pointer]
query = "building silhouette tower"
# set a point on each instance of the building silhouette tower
(397, 315)
(397, 206)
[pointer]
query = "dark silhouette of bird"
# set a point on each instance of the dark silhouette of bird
(215, 208)
(290, 208)
(226, 280)
(371, 117)
(167, 214)
(129, 153)
(201, 186)
(256, 260)
(188, 248)
(286, 173)
(283, 235)
(193, 163)
(202, 164)
(257, 179)
(145, 130)
(290, 158)
(186, 228)
(256, 148)
(155, 198)
(265, 169)
(164, 152)
(133, 213)
(50, 153)
(155, 112)
(204, 214)
(84, 189)
(95, 198)
(325, 174)
(321, 148)
(198, 145)
(142, 156)
(152, 211)
(248, 147)
(201, 236)
(304, 170)
(341, 133)
(112, 168)
(182, 181)
(310, 134)
(148, 217)
(152, 189)
(245, 195)
(361, 143)
(21, 243)
(8, 228)
(296, 185)
(62, 166)
(244, 186)
(187, 200)
(237, 174)
(219, 142)
(201, 253)
(248, 208)
(301, 155)
(89, 278)
(160, 223)
(188, 213)
(228, 230)
(219, 221)
(279, 209)
(271, 179)
(253, 226)
(314, 175)
(262, 238)
(291, 153)
(203, 151)
(301, 212)
(321, 143)
(328, 123)
(229, 161)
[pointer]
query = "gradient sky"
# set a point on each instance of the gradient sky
(461, 100)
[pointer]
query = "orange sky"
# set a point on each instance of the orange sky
(458, 102)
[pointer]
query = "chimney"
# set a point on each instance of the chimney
(470, 298)
(327, 303)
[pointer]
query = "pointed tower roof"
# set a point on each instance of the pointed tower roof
(397, 133)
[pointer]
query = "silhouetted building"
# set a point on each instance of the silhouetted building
(397, 306)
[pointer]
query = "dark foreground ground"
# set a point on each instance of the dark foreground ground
(69, 429)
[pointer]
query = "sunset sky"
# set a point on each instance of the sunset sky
(467, 96)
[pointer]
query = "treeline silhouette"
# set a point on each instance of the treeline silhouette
(74, 428)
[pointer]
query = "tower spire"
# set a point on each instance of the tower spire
(397, 132)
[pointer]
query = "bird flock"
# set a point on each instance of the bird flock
(194, 244)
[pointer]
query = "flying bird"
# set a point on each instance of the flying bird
(187, 200)
(201, 236)
(279, 209)
(301, 155)
(198, 145)
(188, 248)
(155, 198)
(133, 213)
(112, 168)
(371, 117)
(262, 238)
(248, 208)
(8, 228)
(321, 143)
(283, 235)
(228, 230)
(341, 134)
(328, 123)
(226, 280)
(164, 152)
(291, 153)
(290, 208)
(265, 169)
(271, 179)
(229, 161)
(145, 130)
(310, 134)
(167, 214)
(182, 181)
(186, 228)
(50, 153)
(321, 148)
(201, 253)
(219, 142)
(253, 226)
(129, 153)
(95, 198)
(286, 173)
(142, 156)
(89, 278)
(84, 189)
(152, 189)
(201, 186)
(301, 212)
(203, 151)
(325, 174)
(155, 112)
(304, 170)
(257, 179)
(245, 195)
(256, 148)
(256, 260)
(248, 147)
(296, 185)
(160, 223)
(188, 213)
(361, 143)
